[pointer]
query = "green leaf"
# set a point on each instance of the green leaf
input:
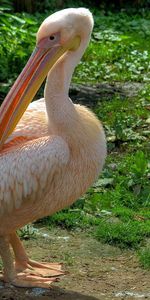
(22, 21)
(104, 182)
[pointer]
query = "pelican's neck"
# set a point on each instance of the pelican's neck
(60, 109)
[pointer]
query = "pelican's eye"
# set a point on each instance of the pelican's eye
(52, 37)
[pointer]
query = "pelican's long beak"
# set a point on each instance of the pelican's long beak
(27, 84)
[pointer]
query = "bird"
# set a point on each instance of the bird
(51, 150)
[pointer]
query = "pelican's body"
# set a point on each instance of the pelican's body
(46, 186)
(54, 154)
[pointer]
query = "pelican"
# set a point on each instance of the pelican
(50, 151)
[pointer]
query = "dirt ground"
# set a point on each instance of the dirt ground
(95, 271)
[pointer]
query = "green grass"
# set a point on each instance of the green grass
(125, 235)
(119, 50)
(144, 257)
(116, 209)
(71, 219)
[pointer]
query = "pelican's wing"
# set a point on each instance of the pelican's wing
(26, 170)
(33, 123)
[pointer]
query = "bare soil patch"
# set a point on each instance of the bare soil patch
(94, 270)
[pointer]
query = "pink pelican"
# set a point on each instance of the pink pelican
(52, 153)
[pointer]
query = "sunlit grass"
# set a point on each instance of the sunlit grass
(144, 257)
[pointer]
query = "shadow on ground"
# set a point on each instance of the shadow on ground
(91, 94)
(55, 293)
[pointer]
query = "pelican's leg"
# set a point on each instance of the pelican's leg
(24, 264)
(8, 266)
(18, 279)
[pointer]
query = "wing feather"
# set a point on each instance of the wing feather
(33, 123)
(26, 170)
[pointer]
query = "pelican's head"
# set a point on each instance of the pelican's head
(61, 32)
(68, 24)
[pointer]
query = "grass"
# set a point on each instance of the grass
(116, 209)
(119, 50)
(144, 257)
(123, 234)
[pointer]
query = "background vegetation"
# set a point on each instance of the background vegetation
(116, 209)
